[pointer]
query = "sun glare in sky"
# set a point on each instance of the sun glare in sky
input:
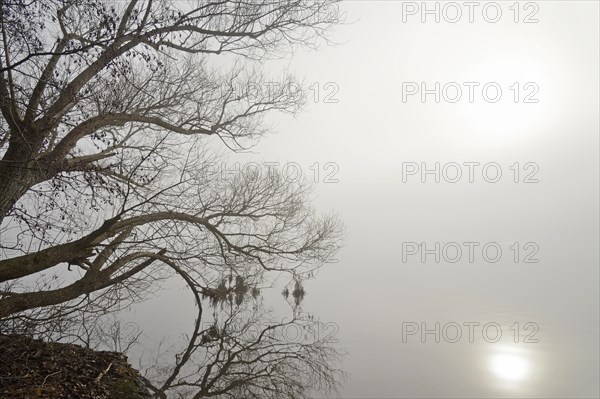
(508, 108)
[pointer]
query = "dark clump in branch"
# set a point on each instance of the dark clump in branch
(230, 291)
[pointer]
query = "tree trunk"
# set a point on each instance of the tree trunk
(18, 172)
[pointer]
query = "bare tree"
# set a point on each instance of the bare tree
(111, 113)
(244, 352)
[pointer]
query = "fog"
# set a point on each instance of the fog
(470, 265)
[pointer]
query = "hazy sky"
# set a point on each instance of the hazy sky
(370, 135)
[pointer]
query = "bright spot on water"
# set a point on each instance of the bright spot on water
(510, 365)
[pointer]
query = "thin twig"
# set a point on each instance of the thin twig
(49, 375)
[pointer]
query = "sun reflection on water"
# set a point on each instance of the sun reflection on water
(511, 366)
